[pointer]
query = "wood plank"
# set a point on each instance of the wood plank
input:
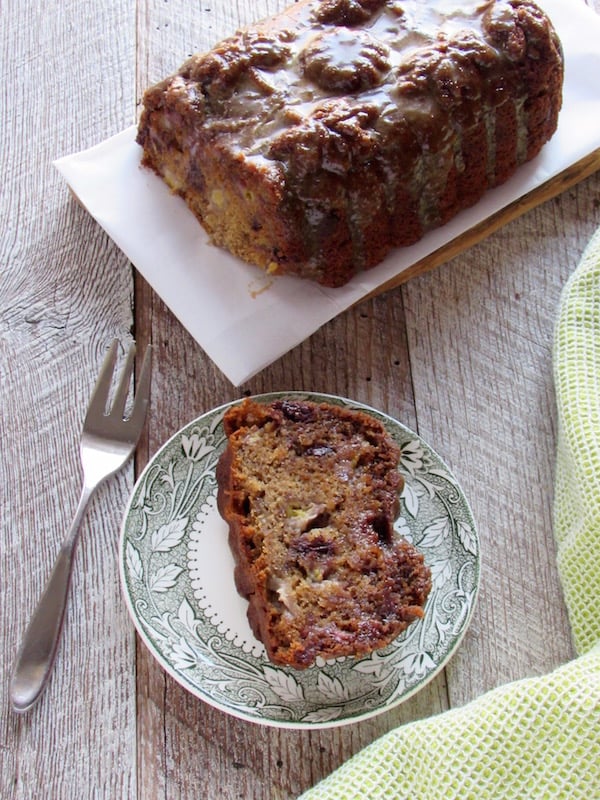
(66, 291)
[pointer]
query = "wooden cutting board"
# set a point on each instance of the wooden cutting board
(569, 177)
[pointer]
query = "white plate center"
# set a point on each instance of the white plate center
(211, 567)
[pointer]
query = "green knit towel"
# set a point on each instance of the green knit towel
(577, 500)
(537, 738)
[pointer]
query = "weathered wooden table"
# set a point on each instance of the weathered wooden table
(461, 354)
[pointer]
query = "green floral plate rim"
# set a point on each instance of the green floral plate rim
(177, 577)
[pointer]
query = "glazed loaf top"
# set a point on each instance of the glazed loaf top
(274, 91)
(314, 142)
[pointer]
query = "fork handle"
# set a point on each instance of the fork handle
(38, 650)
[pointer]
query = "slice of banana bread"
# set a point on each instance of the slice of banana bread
(310, 493)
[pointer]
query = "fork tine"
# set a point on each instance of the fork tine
(99, 398)
(122, 391)
(142, 393)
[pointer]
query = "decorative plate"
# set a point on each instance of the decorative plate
(177, 576)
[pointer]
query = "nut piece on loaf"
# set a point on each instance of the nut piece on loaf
(318, 140)
(310, 494)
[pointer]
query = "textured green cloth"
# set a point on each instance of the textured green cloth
(577, 500)
(538, 737)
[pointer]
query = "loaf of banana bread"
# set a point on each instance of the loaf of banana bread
(318, 140)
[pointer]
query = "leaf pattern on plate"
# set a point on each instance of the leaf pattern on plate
(134, 562)
(183, 655)
(441, 572)
(411, 500)
(186, 616)
(168, 526)
(418, 663)
(436, 533)
(283, 684)
(332, 687)
(168, 536)
(164, 578)
(323, 715)
(467, 537)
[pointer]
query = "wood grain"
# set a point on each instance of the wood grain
(462, 354)
(65, 292)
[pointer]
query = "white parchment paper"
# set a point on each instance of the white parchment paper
(245, 320)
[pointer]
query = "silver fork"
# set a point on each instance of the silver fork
(107, 442)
